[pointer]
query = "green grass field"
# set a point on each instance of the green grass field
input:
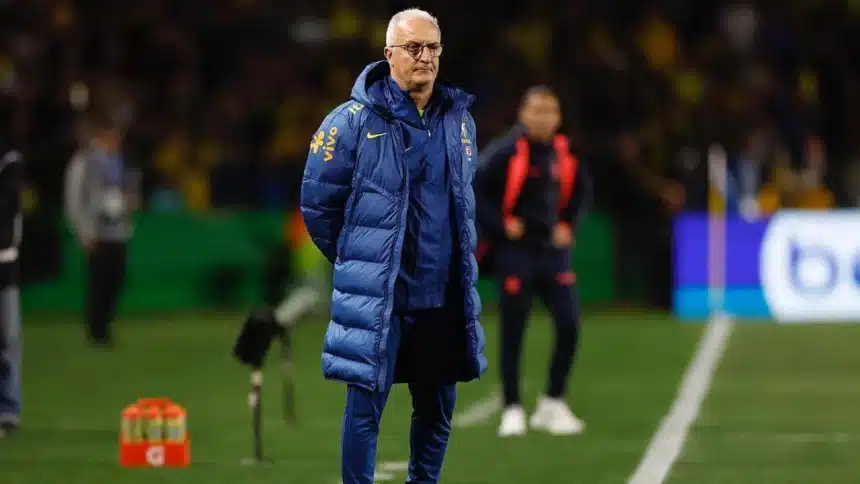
(784, 407)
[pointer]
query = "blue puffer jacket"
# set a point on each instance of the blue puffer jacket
(355, 194)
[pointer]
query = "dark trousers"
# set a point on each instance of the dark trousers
(433, 400)
(10, 351)
(524, 271)
(105, 283)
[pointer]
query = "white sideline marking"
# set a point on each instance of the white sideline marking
(387, 470)
(668, 442)
(395, 466)
(480, 411)
(382, 476)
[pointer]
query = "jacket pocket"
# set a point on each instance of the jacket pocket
(361, 186)
(347, 224)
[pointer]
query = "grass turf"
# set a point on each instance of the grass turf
(776, 387)
(783, 408)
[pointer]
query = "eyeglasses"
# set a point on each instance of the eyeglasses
(415, 49)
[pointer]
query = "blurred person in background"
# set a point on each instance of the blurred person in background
(851, 183)
(309, 282)
(531, 193)
(798, 188)
(756, 167)
(100, 194)
(813, 194)
(387, 198)
(11, 178)
(645, 201)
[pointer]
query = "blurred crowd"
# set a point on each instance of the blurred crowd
(221, 97)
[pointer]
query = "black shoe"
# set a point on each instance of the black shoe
(8, 425)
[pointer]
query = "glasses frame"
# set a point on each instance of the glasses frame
(421, 51)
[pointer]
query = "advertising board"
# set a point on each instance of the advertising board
(794, 267)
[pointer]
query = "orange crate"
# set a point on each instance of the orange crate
(141, 452)
(145, 454)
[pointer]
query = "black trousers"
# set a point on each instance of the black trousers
(524, 272)
(105, 284)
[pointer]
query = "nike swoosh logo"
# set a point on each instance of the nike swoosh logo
(407, 149)
(374, 136)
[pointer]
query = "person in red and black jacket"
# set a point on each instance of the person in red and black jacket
(531, 192)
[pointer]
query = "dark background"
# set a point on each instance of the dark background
(222, 97)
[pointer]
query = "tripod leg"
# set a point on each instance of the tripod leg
(255, 401)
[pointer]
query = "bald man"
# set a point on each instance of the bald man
(387, 197)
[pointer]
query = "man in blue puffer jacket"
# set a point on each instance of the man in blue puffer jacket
(387, 197)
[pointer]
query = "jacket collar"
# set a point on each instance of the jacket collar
(375, 88)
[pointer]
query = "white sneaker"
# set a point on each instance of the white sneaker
(513, 422)
(554, 416)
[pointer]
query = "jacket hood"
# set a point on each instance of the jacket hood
(372, 89)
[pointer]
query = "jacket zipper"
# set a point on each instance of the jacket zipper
(398, 240)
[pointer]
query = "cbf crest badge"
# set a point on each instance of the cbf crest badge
(464, 138)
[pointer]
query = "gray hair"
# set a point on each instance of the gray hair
(403, 15)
